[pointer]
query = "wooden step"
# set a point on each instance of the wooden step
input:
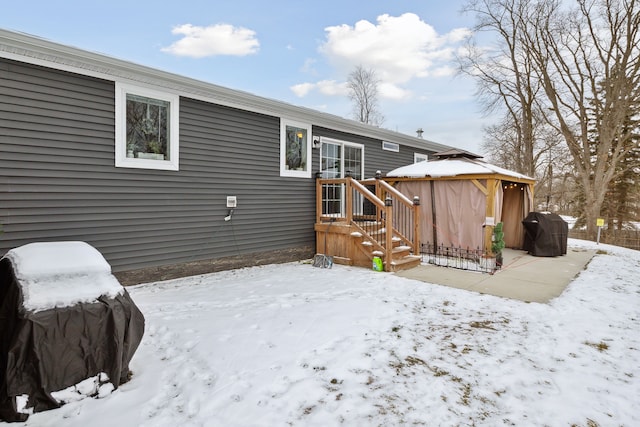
(400, 252)
(406, 263)
(401, 258)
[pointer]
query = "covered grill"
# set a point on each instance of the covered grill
(64, 318)
(545, 234)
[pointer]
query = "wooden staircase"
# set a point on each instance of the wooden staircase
(352, 219)
(401, 255)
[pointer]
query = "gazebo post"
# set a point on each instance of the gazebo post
(490, 213)
(416, 226)
(388, 235)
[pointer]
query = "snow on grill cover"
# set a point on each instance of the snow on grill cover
(64, 318)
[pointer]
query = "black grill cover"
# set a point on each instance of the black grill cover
(50, 350)
(545, 234)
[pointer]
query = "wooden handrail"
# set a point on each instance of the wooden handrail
(388, 225)
(404, 199)
(366, 193)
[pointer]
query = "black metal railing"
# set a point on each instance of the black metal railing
(458, 257)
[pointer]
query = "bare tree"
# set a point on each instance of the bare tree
(363, 91)
(622, 201)
(551, 160)
(583, 63)
(588, 61)
(504, 77)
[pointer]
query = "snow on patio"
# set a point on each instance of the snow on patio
(296, 345)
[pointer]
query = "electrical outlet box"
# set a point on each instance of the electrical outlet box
(232, 201)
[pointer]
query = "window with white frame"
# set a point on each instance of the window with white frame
(390, 146)
(146, 128)
(419, 157)
(295, 149)
(341, 158)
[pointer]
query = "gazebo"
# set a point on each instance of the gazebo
(463, 198)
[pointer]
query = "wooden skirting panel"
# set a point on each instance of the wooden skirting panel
(340, 244)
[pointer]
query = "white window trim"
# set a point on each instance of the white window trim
(391, 146)
(325, 139)
(419, 157)
(122, 161)
(283, 154)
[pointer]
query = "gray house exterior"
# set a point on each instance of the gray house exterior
(66, 172)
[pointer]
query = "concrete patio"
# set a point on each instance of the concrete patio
(523, 276)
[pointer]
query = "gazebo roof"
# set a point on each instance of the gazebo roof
(452, 166)
(456, 153)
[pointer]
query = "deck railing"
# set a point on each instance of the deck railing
(406, 214)
(372, 207)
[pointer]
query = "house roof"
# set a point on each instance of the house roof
(32, 49)
(450, 167)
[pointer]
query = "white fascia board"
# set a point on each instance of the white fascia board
(32, 49)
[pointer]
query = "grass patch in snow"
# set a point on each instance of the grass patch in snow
(600, 346)
(485, 324)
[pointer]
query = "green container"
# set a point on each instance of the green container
(377, 263)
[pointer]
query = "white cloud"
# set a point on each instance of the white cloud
(302, 89)
(309, 66)
(393, 91)
(398, 48)
(458, 35)
(331, 87)
(219, 39)
(325, 87)
(444, 71)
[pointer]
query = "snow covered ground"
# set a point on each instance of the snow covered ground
(291, 344)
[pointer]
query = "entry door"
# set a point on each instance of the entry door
(339, 157)
(336, 159)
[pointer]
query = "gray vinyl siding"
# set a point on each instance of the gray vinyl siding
(376, 159)
(56, 131)
(237, 153)
(58, 180)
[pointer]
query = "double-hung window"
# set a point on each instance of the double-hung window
(146, 128)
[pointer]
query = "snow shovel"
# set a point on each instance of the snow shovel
(322, 260)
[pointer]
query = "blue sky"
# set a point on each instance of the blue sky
(293, 51)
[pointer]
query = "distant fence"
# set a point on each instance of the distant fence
(625, 238)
